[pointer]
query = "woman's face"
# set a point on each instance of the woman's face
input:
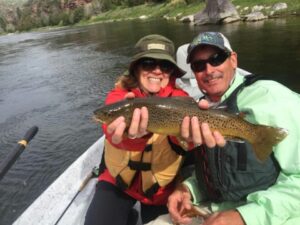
(153, 74)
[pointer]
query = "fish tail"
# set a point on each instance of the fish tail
(266, 138)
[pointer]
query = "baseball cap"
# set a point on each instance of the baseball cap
(209, 38)
(157, 47)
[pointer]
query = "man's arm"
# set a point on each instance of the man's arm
(276, 105)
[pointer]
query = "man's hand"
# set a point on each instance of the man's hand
(137, 127)
(193, 131)
(179, 201)
(231, 217)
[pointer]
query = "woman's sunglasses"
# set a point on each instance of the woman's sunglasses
(149, 64)
(214, 60)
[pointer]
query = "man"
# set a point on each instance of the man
(188, 82)
(230, 185)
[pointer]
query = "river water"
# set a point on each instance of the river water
(55, 79)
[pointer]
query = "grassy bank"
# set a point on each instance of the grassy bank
(177, 9)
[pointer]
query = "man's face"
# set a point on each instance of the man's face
(213, 76)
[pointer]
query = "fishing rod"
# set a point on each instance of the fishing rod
(92, 174)
(13, 156)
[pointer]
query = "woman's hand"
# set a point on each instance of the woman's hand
(137, 126)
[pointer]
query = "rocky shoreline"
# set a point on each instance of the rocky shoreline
(225, 13)
(238, 13)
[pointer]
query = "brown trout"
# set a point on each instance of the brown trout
(166, 115)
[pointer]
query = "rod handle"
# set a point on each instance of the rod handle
(13, 155)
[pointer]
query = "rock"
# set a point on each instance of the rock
(143, 17)
(187, 19)
(215, 12)
(271, 13)
(178, 15)
(178, 2)
(257, 8)
(255, 16)
(279, 6)
(169, 17)
(230, 19)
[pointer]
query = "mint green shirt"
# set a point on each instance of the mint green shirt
(269, 103)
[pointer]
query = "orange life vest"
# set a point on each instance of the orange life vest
(158, 163)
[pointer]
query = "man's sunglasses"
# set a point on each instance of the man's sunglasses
(214, 60)
(149, 64)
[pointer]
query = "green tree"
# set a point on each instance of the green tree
(2, 23)
(78, 14)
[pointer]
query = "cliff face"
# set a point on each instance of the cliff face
(37, 13)
(72, 4)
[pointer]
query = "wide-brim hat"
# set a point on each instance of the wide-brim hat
(157, 47)
(214, 39)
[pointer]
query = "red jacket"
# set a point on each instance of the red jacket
(135, 190)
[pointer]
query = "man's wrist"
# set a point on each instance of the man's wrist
(185, 190)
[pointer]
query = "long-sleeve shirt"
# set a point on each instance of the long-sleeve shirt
(269, 103)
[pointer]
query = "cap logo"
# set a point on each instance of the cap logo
(156, 46)
(209, 38)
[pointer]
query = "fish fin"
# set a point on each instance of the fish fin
(95, 119)
(226, 109)
(266, 138)
(184, 99)
(242, 114)
(221, 107)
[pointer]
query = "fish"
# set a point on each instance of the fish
(166, 115)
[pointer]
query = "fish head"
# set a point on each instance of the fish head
(108, 113)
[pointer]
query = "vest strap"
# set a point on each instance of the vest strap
(121, 183)
(102, 165)
(152, 190)
(140, 166)
(148, 148)
(242, 159)
(176, 148)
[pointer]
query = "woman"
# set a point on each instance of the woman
(139, 167)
